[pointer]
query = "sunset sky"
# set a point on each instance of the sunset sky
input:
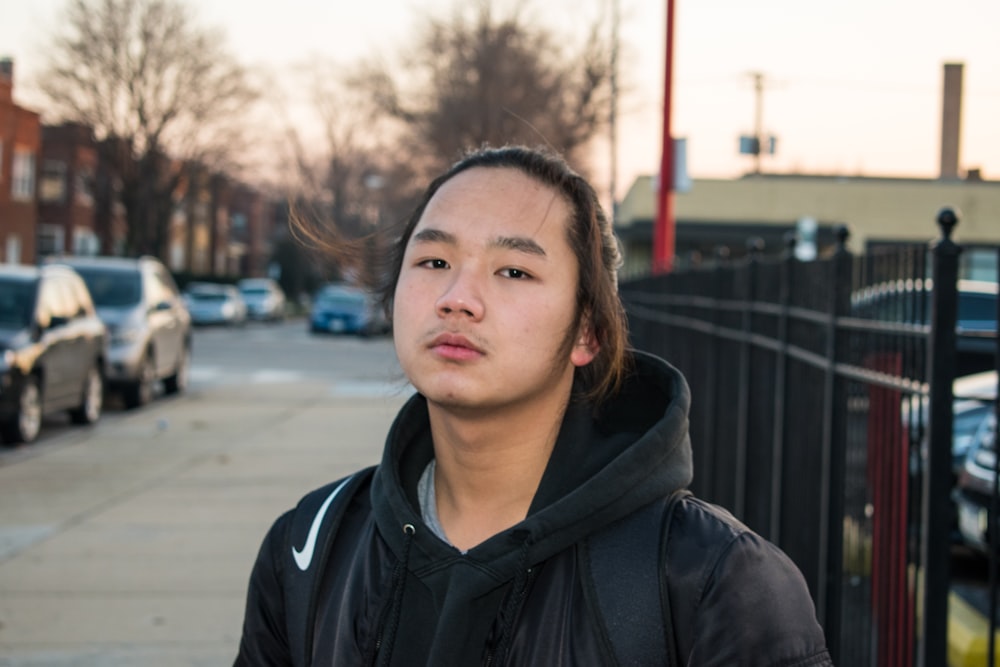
(851, 87)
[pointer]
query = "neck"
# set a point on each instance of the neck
(489, 466)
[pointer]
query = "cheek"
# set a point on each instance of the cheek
(549, 320)
(404, 292)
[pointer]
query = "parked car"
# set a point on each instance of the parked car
(346, 309)
(974, 494)
(972, 403)
(264, 298)
(213, 303)
(52, 350)
(909, 302)
(149, 326)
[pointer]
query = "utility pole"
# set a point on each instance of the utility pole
(758, 143)
(758, 118)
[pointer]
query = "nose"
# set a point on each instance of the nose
(462, 297)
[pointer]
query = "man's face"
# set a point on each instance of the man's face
(486, 297)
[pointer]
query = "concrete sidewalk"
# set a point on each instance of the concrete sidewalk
(131, 543)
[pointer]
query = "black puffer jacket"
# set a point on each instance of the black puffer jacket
(395, 594)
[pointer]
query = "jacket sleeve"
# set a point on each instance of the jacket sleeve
(265, 639)
(755, 609)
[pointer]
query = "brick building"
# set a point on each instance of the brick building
(20, 141)
(250, 231)
(66, 204)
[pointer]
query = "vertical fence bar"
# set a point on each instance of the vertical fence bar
(937, 482)
(754, 247)
(711, 445)
(995, 496)
(780, 391)
(829, 593)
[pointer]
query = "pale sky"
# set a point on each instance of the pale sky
(851, 87)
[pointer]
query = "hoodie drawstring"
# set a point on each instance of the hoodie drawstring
(511, 607)
(387, 638)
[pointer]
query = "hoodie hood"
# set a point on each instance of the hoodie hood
(603, 466)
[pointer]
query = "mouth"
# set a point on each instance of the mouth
(455, 347)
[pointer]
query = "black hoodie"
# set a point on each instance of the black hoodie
(393, 593)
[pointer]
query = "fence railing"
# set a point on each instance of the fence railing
(822, 417)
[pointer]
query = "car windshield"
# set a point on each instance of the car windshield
(112, 288)
(17, 299)
(255, 291)
(200, 295)
(346, 300)
(977, 308)
(969, 420)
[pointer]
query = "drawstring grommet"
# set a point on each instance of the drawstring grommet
(409, 529)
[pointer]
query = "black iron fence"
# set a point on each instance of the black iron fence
(822, 417)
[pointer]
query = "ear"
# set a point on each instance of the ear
(586, 347)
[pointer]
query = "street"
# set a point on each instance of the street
(131, 542)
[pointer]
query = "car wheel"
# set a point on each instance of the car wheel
(92, 402)
(26, 424)
(178, 382)
(140, 392)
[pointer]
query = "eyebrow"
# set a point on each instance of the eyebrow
(517, 243)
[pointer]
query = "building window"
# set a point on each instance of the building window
(84, 186)
(50, 240)
(22, 185)
(12, 253)
(85, 243)
(52, 183)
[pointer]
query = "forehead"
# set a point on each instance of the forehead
(497, 200)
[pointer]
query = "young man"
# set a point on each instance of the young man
(533, 434)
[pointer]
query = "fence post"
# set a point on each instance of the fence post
(994, 505)
(829, 592)
(936, 508)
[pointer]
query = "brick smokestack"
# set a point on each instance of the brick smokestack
(951, 120)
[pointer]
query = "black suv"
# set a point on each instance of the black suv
(148, 323)
(52, 347)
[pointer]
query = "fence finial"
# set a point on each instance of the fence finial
(755, 246)
(791, 238)
(843, 232)
(947, 219)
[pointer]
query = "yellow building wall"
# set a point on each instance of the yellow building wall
(873, 208)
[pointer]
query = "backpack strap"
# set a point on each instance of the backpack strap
(638, 637)
(315, 521)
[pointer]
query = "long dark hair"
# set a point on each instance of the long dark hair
(590, 236)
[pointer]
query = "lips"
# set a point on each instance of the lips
(455, 347)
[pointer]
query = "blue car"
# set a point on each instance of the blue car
(343, 309)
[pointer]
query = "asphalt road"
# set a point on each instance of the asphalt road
(262, 353)
(255, 355)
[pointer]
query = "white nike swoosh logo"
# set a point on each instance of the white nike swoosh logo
(304, 558)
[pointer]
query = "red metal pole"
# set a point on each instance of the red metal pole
(663, 231)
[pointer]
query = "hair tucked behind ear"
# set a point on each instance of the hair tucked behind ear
(590, 236)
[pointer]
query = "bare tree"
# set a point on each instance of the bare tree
(158, 91)
(475, 78)
(344, 174)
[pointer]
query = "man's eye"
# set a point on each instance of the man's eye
(434, 264)
(517, 274)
